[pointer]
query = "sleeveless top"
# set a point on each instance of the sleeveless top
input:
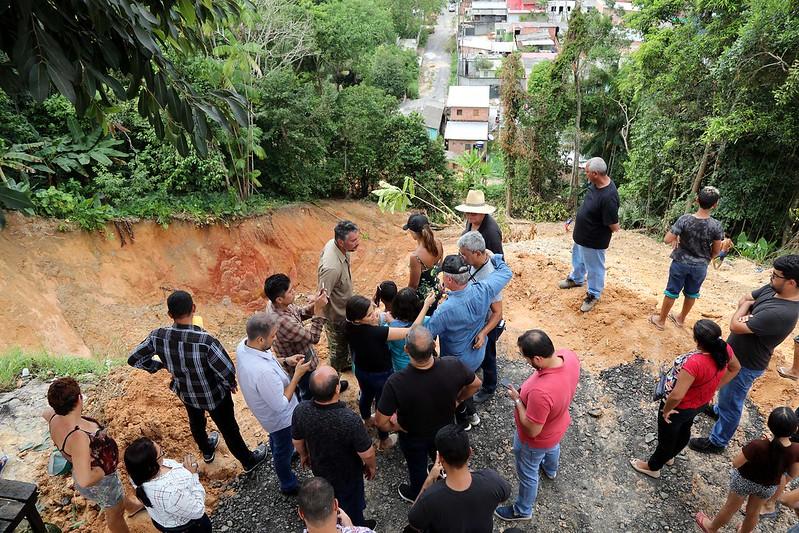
(428, 279)
(102, 448)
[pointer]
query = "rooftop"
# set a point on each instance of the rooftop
(464, 96)
(466, 131)
(432, 116)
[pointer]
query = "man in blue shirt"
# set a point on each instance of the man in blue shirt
(459, 319)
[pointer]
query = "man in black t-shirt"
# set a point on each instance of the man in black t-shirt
(762, 321)
(421, 399)
(464, 502)
(595, 222)
(333, 442)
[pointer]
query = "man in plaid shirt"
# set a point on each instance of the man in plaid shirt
(293, 337)
(203, 377)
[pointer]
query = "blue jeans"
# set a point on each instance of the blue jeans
(590, 262)
(371, 384)
(730, 405)
(282, 449)
(489, 364)
(528, 461)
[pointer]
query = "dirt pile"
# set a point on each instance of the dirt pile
(84, 293)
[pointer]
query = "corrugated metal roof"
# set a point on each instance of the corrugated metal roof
(466, 131)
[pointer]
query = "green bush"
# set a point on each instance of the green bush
(88, 213)
(46, 365)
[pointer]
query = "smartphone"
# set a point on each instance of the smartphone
(508, 384)
(308, 357)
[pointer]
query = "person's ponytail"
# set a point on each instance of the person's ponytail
(707, 335)
(141, 462)
(429, 240)
(782, 422)
(142, 496)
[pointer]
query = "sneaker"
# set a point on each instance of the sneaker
(507, 514)
(588, 303)
(568, 283)
(213, 442)
(465, 425)
(258, 457)
(482, 396)
(703, 445)
(547, 475)
(708, 410)
(474, 420)
(370, 524)
(404, 491)
(344, 384)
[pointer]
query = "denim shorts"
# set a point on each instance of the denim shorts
(685, 278)
(108, 492)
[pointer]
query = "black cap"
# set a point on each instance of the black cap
(416, 223)
(455, 264)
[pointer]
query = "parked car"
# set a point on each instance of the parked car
(451, 7)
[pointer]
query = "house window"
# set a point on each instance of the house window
(560, 9)
(553, 9)
(459, 112)
(568, 8)
(476, 112)
(467, 146)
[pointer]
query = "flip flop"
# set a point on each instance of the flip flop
(781, 370)
(137, 511)
(699, 518)
(650, 473)
(652, 321)
(674, 321)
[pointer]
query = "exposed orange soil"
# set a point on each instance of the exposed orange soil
(84, 294)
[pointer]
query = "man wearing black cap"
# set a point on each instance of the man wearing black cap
(460, 318)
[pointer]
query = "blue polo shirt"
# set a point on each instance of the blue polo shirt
(458, 320)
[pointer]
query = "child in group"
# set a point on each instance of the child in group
(385, 294)
(757, 473)
(726, 246)
(697, 240)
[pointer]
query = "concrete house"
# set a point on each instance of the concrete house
(468, 104)
(433, 116)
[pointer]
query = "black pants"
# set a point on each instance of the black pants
(225, 420)
(673, 437)
(198, 525)
(351, 498)
(418, 452)
(465, 410)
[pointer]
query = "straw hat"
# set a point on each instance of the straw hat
(476, 203)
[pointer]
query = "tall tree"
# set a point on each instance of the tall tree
(512, 98)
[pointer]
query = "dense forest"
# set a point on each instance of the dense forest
(203, 109)
(711, 97)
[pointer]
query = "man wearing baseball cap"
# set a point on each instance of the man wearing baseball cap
(460, 317)
(478, 218)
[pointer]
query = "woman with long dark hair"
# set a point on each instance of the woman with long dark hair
(371, 357)
(405, 309)
(425, 261)
(756, 473)
(699, 375)
(170, 491)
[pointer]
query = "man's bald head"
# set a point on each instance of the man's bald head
(324, 383)
(419, 343)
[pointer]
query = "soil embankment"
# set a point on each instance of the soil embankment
(86, 294)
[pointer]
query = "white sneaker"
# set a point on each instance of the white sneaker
(474, 420)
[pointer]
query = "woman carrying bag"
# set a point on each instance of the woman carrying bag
(171, 491)
(689, 385)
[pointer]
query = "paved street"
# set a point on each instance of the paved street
(435, 66)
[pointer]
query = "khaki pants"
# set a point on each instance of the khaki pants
(339, 350)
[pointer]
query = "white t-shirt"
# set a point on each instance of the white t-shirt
(177, 496)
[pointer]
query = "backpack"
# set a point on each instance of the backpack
(668, 377)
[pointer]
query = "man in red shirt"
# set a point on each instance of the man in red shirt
(541, 410)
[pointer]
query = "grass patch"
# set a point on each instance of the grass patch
(45, 365)
(453, 68)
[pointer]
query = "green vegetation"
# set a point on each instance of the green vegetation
(709, 98)
(238, 108)
(45, 365)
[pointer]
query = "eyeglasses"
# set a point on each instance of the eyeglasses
(775, 275)
(161, 453)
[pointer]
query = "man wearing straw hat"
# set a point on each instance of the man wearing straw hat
(478, 218)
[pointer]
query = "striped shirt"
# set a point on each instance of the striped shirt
(202, 372)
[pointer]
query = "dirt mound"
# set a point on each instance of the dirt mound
(84, 293)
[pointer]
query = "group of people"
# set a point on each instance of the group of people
(424, 357)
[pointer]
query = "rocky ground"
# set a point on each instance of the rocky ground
(596, 490)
